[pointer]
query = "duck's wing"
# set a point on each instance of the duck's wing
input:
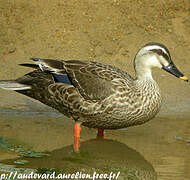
(94, 81)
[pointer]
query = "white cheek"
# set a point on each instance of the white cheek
(153, 62)
(163, 61)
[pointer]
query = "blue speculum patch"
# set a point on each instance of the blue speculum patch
(63, 78)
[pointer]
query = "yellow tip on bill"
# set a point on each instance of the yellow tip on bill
(184, 78)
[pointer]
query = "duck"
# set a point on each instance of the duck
(98, 95)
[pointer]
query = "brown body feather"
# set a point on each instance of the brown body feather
(100, 96)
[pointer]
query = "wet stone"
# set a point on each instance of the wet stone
(11, 49)
(21, 162)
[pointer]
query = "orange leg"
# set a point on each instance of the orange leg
(100, 133)
(77, 136)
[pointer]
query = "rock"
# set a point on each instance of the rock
(11, 49)
(21, 162)
(124, 52)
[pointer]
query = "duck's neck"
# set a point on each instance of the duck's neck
(144, 79)
(143, 73)
(147, 84)
(150, 97)
(143, 68)
(150, 92)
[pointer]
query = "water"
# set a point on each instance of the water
(159, 147)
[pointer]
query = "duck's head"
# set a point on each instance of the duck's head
(155, 55)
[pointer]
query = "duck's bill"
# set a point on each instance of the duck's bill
(171, 68)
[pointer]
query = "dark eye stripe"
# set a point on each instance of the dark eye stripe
(162, 53)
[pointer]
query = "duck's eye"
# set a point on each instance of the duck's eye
(160, 52)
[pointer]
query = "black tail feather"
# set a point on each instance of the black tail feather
(35, 66)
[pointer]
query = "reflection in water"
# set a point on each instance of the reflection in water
(102, 156)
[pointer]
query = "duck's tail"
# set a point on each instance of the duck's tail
(13, 85)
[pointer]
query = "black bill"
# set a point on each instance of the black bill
(171, 68)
